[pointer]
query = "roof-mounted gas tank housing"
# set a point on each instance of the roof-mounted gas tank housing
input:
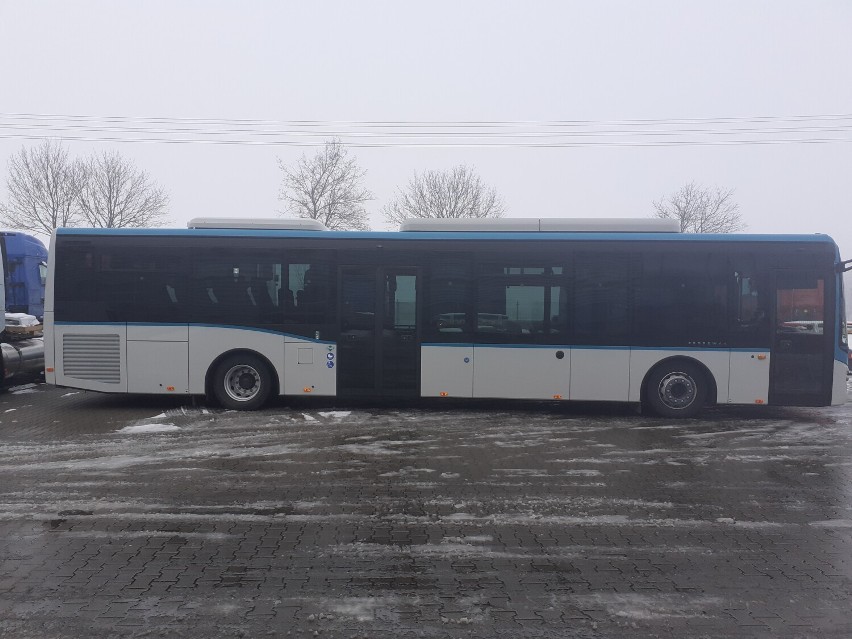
(298, 224)
(545, 225)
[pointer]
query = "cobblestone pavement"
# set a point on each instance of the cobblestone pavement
(122, 516)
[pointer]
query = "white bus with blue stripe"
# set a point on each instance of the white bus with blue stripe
(586, 310)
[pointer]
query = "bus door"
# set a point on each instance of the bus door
(802, 341)
(379, 344)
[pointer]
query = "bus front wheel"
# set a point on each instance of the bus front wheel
(676, 389)
(242, 382)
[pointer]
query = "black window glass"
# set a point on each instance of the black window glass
(520, 303)
(241, 288)
(76, 294)
(602, 308)
(143, 284)
(110, 282)
(683, 299)
(309, 292)
(448, 298)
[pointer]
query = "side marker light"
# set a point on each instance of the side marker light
(557, 397)
(50, 369)
(307, 389)
(444, 394)
(170, 388)
(761, 357)
(758, 401)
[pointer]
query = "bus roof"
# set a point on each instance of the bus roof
(385, 236)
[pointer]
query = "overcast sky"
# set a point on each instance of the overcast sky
(575, 85)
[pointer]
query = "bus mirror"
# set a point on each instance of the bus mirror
(842, 267)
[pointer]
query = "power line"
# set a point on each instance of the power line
(760, 130)
(439, 144)
(224, 121)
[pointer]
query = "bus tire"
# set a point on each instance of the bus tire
(676, 389)
(242, 382)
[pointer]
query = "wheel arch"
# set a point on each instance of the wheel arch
(211, 369)
(712, 391)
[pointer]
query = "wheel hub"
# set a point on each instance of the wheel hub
(242, 383)
(677, 390)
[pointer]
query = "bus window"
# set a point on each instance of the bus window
(800, 304)
(78, 296)
(401, 301)
(144, 284)
(749, 301)
(602, 307)
(519, 301)
(448, 298)
(308, 293)
(240, 288)
(684, 296)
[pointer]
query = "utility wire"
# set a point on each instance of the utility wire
(412, 145)
(762, 130)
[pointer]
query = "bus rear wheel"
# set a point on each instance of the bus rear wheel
(242, 382)
(677, 389)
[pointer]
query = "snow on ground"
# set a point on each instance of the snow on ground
(433, 452)
(24, 389)
(470, 500)
(646, 607)
(148, 428)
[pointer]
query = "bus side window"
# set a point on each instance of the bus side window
(237, 288)
(79, 295)
(748, 309)
(306, 294)
(448, 298)
(603, 299)
(520, 303)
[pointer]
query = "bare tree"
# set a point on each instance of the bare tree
(702, 210)
(327, 187)
(116, 194)
(457, 193)
(44, 185)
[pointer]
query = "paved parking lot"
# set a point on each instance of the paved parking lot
(126, 516)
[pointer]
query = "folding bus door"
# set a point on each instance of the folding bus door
(379, 345)
(802, 342)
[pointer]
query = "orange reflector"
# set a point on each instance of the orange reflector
(761, 357)
(758, 401)
(307, 389)
(557, 397)
(444, 394)
(170, 388)
(49, 370)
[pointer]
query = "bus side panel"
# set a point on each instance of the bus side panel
(600, 374)
(49, 349)
(521, 372)
(91, 356)
(50, 354)
(749, 378)
(206, 343)
(158, 358)
(309, 367)
(839, 394)
(643, 360)
(446, 371)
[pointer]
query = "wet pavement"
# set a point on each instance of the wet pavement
(127, 516)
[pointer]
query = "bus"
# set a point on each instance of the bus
(522, 309)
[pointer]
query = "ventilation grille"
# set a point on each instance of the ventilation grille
(92, 357)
